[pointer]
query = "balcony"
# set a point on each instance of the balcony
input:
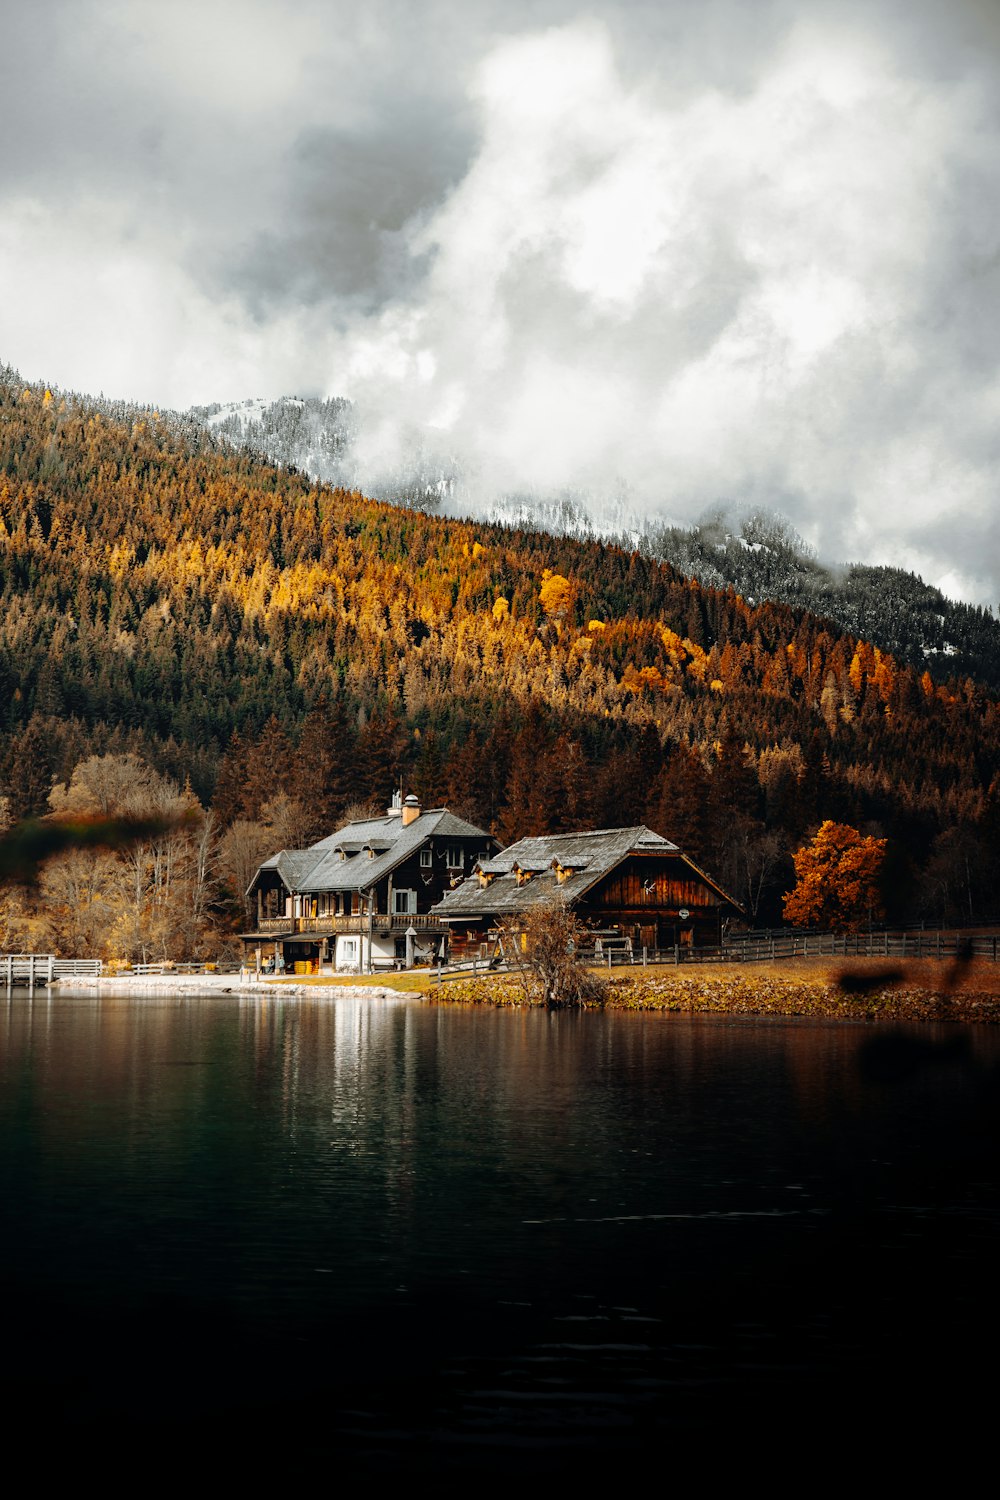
(329, 926)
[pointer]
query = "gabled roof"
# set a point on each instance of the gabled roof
(589, 856)
(290, 864)
(373, 848)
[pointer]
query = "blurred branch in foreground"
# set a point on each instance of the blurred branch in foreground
(863, 982)
(26, 846)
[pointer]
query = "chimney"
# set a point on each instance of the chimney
(411, 810)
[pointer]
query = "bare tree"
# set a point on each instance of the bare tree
(242, 849)
(547, 939)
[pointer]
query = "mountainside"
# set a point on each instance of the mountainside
(320, 438)
(266, 636)
(758, 554)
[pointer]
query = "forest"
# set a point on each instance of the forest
(184, 624)
(750, 549)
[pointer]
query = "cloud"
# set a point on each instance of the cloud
(778, 295)
(691, 251)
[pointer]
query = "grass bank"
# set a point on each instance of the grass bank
(865, 989)
(417, 982)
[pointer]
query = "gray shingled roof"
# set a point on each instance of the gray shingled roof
(322, 868)
(591, 856)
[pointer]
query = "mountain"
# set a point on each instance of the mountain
(240, 626)
(755, 552)
(760, 555)
(320, 438)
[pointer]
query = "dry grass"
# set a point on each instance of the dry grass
(417, 982)
(932, 975)
(855, 990)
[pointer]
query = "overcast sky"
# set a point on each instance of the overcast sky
(688, 250)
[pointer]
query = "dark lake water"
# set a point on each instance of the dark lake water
(369, 1236)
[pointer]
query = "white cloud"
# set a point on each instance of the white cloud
(726, 297)
(665, 249)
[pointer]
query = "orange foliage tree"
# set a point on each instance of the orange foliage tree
(837, 879)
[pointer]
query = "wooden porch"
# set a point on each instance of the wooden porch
(362, 922)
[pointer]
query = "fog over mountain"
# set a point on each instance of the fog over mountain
(750, 549)
(680, 252)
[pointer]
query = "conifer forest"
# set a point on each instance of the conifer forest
(187, 627)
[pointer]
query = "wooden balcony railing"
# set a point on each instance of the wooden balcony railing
(329, 925)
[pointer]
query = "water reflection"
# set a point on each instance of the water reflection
(492, 1226)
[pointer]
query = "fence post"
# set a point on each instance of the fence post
(644, 952)
(677, 954)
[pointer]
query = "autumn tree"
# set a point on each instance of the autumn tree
(556, 595)
(837, 879)
(547, 939)
(148, 899)
(243, 847)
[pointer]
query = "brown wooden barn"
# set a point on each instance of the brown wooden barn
(630, 886)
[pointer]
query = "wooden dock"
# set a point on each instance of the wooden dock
(31, 969)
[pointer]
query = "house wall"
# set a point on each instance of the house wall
(624, 889)
(352, 951)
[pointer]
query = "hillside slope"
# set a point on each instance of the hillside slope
(238, 624)
(760, 556)
(756, 553)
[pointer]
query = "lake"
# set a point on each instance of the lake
(394, 1237)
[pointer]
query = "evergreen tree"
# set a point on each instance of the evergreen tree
(29, 776)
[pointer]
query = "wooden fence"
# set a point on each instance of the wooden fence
(773, 947)
(41, 968)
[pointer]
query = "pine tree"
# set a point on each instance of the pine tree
(323, 773)
(268, 768)
(29, 778)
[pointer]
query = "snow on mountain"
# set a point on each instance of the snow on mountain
(752, 550)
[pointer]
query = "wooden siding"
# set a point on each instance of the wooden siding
(624, 890)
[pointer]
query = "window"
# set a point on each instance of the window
(455, 858)
(426, 858)
(404, 903)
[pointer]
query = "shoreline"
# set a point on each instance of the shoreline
(923, 990)
(213, 984)
(864, 991)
